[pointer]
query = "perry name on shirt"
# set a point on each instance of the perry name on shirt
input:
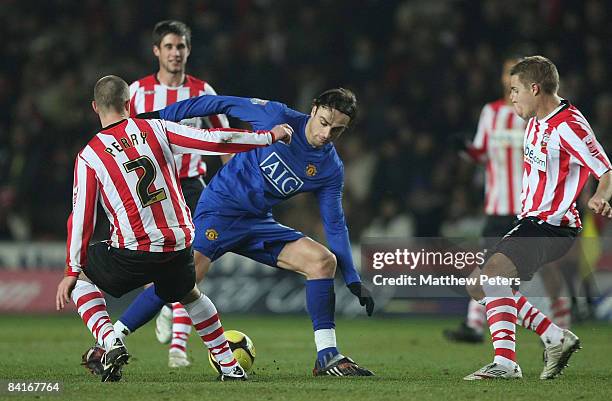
(126, 143)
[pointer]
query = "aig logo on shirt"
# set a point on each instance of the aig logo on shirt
(282, 178)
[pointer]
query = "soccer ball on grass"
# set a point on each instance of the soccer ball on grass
(242, 347)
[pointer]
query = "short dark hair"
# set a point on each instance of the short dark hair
(163, 28)
(340, 99)
(111, 93)
(539, 70)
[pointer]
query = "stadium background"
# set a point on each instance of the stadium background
(422, 70)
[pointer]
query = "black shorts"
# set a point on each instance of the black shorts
(118, 271)
(495, 228)
(532, 243)
(192, 189)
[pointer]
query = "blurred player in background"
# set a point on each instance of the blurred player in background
(234, 213)
(560, 152)
(499, 145)
(129, 166)
(171, 46)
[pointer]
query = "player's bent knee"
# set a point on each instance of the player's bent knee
(499, 265)
(324, 265)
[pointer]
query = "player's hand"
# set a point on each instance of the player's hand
(283, 132)
(64, 289)
(600, 206)
(364, 295)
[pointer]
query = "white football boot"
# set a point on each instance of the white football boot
(557, 356)
(496, 371)
(177, 359)
(236, 374)
(163, 325)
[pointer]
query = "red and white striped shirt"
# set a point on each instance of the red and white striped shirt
(148, 94)
(560, 152)
(130, 167)
(499, 144)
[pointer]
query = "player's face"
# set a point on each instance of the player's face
(325, 125)
(172, 53)
(522, 98)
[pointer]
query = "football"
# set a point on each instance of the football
(242, 347)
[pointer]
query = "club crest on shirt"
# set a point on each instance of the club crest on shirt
(544, 141)
(211, 234)
(311, 170)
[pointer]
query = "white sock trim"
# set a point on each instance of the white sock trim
(121, 330)
(325, 338)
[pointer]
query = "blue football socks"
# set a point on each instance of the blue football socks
(321, 305)
(142, 309)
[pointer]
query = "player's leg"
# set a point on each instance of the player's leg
(91, 306)
(521, 252)
(179, 327)
(177, 283)
(318, 265)
(142, 309)
(500, 305)
(103, 270)
(206, 321)
(472, 328)
(180, 330)
(553, 284)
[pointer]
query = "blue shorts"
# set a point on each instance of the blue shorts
(257, 238)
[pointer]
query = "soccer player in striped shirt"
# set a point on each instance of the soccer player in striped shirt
(560, 152)
(172, 47)
(129, 167)
(498, 144)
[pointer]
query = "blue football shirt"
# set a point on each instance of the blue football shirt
(252, 182)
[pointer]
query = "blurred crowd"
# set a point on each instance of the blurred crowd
(421, 69)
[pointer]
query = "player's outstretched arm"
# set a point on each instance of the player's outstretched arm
(600, 201)
(257, 112)
(214, 141)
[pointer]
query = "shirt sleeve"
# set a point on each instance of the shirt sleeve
(578, 139)
(217, 120)
(478, 148)
(133, 92)
(334, 223)
(82, 220)
(259, 113)
(214, 141)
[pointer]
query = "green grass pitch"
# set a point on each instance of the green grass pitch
(409, 356)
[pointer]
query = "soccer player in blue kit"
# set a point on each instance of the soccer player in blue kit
(234, 211)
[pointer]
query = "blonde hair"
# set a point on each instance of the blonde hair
(539, 70)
